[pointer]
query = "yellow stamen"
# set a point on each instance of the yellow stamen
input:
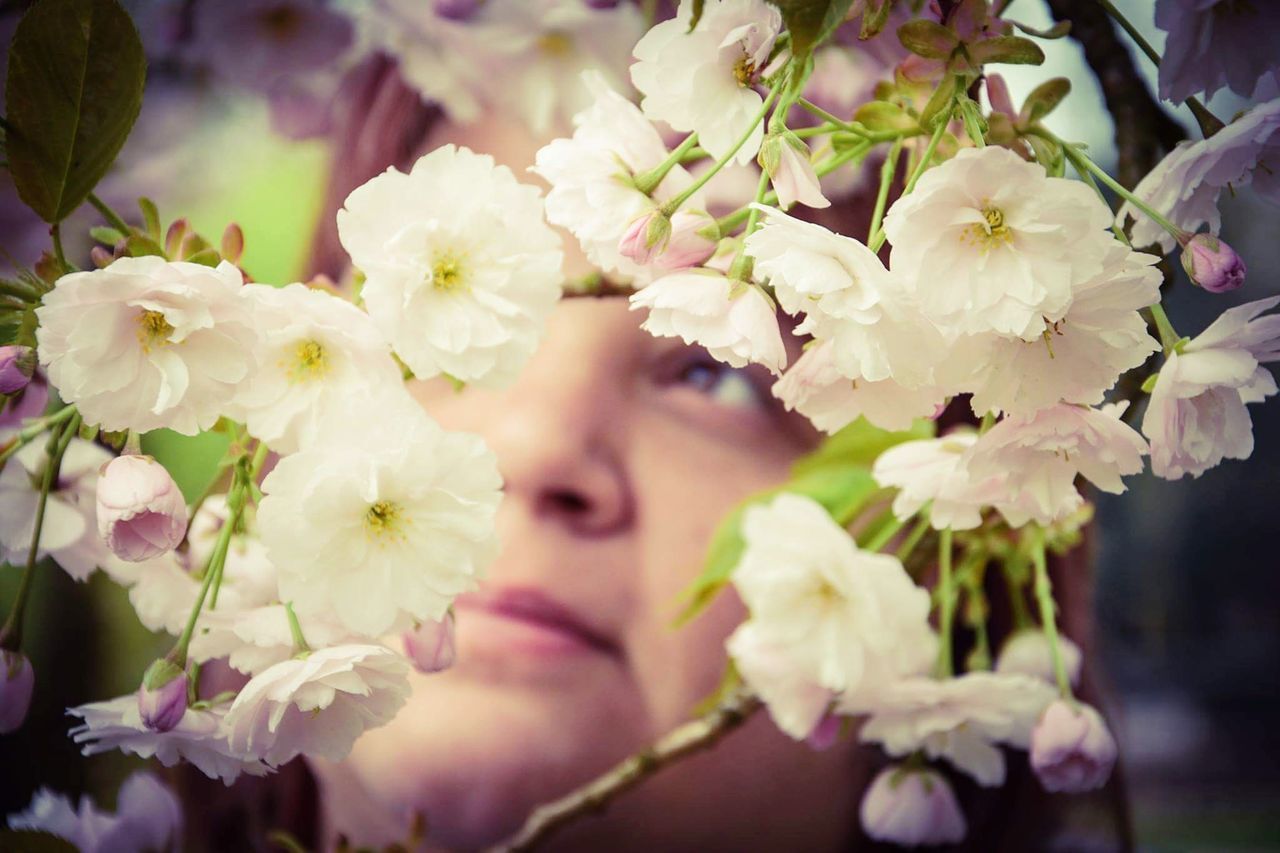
(555, 44)
(991, 231)
(310, 361)
(153, 330)
(383, 519)
(744, 70)
(447, 272)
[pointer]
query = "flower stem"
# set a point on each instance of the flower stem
(946, 602)
(1168, 337)
(877, 240)
(300, 646)
(887, 170)
(114, 219)
(648, 182)
(31, 432)
(55, 231)
(1083, 162)
(213, 569)
(674, 204)
(741, 270)
(890, 529)
(913, 538)
(11, 633)
(1044, 598)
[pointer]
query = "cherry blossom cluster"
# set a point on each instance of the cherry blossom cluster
(987, 282)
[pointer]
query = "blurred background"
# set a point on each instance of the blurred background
(1188, 590)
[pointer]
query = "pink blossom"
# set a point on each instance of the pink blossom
(141, 512)
(17, 364)
(1071, 748)
(790, 168)
(1216, 43)
(912, 808)
(162, 696)
(1212, 264)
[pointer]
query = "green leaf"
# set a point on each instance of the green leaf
(103, 234)
(1043, 100)
(811, 22)
(1007, 50)
(75, 79)
(1057, 31)
(884, 116)
(698, 6)
(940, 102)
(859, 443)
(927, 38)
(150, 217)
(1048, 154)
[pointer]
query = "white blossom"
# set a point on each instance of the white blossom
(461, 270)
(1185, 185)
(148, 818)
(318, 704)
(733, 320)
(1040, 455)
(911, 808)
(1216, 43)
(849, 620)
(316, 351)
(702, 81)
(70, 531)
(815, 387)
(384, 519)
(1028, 652)
(960, 719)
(199, 739)
(146, 343)
(796, 701)
(252, 639)
(936, 472)
(988, 242)
(593, 194)
(1072, 749)
(141, 511)
(1078, 358)
(1197, 415)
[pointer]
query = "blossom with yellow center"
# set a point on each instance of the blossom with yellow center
(382, 521)
(447, 272)
(310, 361)
(153, 330)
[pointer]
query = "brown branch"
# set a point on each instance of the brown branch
(1144, 131)
(694, 736)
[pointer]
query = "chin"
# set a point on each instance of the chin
(475, 756)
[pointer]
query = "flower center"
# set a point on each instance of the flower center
(153, 330)
(447, 273)
(992, 231)
(310, 361)
(555, 44)
(383, 520)
(744, 70)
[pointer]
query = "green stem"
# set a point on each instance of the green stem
(299, 641)
(114, 219)
(877, 240)
(56, 231)
(648, 182)
(887, 170)
(741, 270)
(19, 290)
(674, 204)
(1044, 597)
(1081, 161)
(1017, 601)
(913, 538)
(33, 430)
(11, 633)
(1168, 337)
(946, 603)
(1129, 28)
(890, 529)
(831, 119)
(213, 570)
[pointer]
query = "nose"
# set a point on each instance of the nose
(560, 431)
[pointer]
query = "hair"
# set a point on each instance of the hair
(381, 122)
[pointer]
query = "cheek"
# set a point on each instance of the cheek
(685, 485)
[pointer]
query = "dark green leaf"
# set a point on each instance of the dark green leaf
(927, 38)
(697, 14)
(1043, 100)
(811, 22)
(76, 72)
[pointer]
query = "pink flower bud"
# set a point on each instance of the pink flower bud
(1071, 748)
(431, 645)
(1027, 652)
(141, 512)
(694, 236)
(825, 734)
(162, 696)
(912, 808)
(17, 678)
(786, 159)
(1212, 264)
(455, 10)
(17, 365)
(29, 403)
(646, 237)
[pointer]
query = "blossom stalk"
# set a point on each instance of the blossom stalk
(877, 239)
(1044, 598)
(947, 603)
(649, 181)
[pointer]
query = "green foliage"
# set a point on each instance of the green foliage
(1043, 100)
(74, 89)
(811, 22)
(837, 475)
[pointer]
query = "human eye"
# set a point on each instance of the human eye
(694, 373)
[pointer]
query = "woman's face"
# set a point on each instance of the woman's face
(620, 453)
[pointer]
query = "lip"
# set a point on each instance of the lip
(528, 619)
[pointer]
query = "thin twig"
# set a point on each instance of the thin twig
(692, 737)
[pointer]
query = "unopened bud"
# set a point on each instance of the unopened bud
(455, 10)
(162, 696)
(141, 511)
(100, 257)
(175, 236)
(431, 646)
(17, 679)
(232, 247)
(912, 808)
(1212, 264)
(1027, 652)
(646, 237)
(785, 158)
(17, 366)
(1071, 748)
